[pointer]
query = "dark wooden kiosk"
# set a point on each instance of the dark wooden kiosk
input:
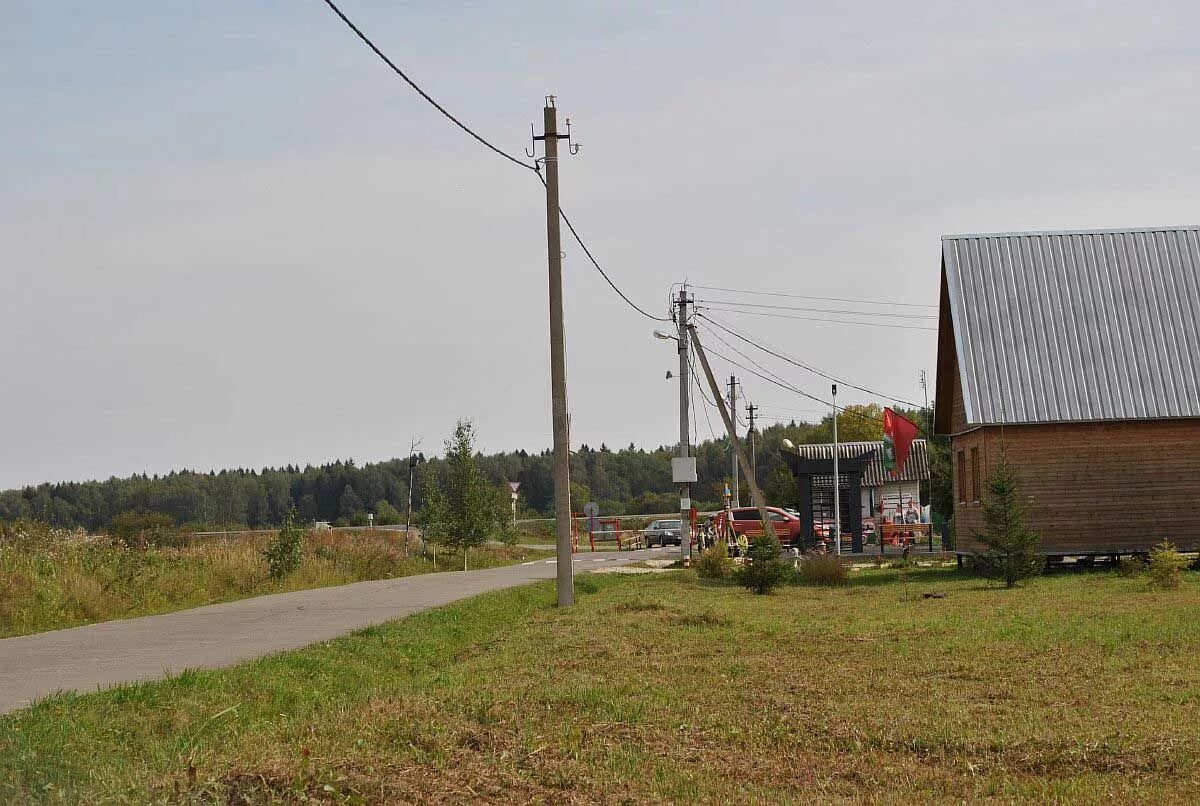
(1077, 354)
(814, 477)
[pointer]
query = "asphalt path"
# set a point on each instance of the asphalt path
(100, 655)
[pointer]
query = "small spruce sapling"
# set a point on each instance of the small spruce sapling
(1166, 566)
(765, 572)
(1010, 548)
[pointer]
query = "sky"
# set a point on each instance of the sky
(230, 237)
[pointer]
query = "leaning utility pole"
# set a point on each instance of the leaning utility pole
(755, 493)
(685, 488)
(737, 496)
(558, 359)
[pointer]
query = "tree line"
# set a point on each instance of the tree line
(629, 480)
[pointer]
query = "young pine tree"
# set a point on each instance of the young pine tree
(1010, 549)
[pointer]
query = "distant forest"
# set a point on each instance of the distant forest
(625, 481)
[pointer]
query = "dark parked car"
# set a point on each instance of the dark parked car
(664, 532)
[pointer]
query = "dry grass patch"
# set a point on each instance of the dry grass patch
(51, 579)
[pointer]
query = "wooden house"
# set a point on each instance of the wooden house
(1078, 353)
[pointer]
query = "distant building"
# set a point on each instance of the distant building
(869, 492)
(1080, 352)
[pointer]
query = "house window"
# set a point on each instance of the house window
(962, 477)
(975, 474)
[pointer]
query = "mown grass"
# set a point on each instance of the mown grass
(52, 579)
(1076, 688)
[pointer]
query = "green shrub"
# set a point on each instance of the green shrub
(823, 570)
(713, 562)
(145, 530)
(286, 549)
(1166, 566)
(765, 571)
(1131, 565)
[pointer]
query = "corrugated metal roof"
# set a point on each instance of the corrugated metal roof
(1076, 326)
(916, 468)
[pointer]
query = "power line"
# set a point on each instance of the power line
(782, 384)
(806, 296)
(801, 365)
(775, 379)
(888, 314)
(531, 166)
(422, 92)
(816, 319)
(596, 263)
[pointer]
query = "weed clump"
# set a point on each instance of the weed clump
(822, 570)
(1166, 566)
(1131, 565)
(714, 563)
(765, 571)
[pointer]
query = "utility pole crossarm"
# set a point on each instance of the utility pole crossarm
(755, 492)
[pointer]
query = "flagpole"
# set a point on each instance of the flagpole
(837, 481)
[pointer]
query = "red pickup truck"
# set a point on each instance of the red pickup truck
(746, 521)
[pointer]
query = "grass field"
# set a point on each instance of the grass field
(1076, 688)
(51, 579)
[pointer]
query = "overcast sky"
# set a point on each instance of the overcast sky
(230, 237)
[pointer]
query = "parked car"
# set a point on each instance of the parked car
(747, 521)
(664, 532)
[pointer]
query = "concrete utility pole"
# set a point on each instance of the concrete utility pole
(412, 464)
(558, 360)
(737, 497)
(837, 481)
(925, 388)
(753, 457)
(685, 489)
(755, 493)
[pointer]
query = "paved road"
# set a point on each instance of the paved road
(101, 655)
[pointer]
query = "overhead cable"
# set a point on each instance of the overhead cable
(807, 296)
(817, 319)
(802, 365)
(600, 269)
(422, 92)
(836, 311)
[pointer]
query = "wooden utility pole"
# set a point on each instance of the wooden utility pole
(755, 493)
(558, 361)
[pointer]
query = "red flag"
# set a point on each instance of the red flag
(898, 435)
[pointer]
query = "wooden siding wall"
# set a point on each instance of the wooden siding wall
(1093, 487)
(958, 406)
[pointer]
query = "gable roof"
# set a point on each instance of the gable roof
(1073, 326)
(873, 474)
